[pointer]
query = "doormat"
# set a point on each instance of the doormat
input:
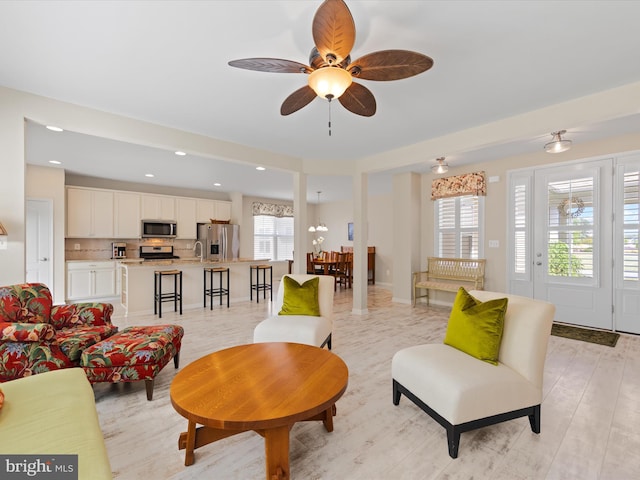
(586, 335)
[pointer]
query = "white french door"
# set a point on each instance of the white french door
(627, 231)
(573, 240)
(573, 235)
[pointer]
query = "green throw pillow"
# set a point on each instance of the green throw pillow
(300, 299)
(475, 327)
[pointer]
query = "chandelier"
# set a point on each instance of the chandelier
(320, 227)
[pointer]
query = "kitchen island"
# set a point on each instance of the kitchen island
(137, 282)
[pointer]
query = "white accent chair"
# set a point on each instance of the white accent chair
(463, 393)
(300, 328)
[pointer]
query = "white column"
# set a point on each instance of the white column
(406, 233)
(300, 240)
(12, 191)
(360, 240)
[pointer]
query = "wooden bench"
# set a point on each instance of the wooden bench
(449, 274)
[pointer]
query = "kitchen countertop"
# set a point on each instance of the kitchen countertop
(138, 262)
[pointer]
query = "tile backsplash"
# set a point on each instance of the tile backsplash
(100, 248)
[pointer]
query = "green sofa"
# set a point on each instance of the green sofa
(54, 413)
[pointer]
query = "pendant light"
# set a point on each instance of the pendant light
(321, 227)
(440, 167)
(557, 144)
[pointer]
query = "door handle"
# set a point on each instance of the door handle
(44, 259)
(538, 263)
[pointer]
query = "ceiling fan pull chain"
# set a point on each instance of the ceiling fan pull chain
(329, 98)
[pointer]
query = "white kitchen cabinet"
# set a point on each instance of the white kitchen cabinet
(127, 215)
(223, 210)
(89, 213)
(91, 280)
(158, 207)
(205, 210)
(208, 210)
(186, 218)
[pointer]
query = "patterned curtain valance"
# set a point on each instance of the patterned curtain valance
(459, 185)
(272, 209)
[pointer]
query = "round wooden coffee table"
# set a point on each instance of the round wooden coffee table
(264, 387)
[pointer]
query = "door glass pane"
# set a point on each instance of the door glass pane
(630, 259)
(571, 228)
(520, 228)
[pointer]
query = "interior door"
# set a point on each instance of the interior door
(39, 234)
(572, 252)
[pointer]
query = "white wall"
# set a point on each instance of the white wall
(48, 183)
(336, 215)
(12, 191)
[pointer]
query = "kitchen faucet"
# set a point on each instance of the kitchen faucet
(195, 246)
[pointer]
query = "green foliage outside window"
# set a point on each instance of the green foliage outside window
(561, 263)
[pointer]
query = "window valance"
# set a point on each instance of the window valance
(272, 209)
(459, 185)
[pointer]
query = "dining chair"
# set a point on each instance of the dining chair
(342, 272)
(313, 269)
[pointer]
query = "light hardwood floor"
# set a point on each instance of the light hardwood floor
(590, 413)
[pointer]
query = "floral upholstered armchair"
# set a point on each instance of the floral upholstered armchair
(37, 336)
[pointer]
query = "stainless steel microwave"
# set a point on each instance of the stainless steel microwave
(159, 229)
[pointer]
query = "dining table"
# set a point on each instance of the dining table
(327, 266)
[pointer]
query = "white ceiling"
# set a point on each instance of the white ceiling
(166, 63)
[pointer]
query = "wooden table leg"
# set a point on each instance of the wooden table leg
(276, 446)
(329, 413)
(189, 457)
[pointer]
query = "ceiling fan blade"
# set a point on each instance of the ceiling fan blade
(274, 65)
(359, 100)
(334, 31)
(390, 65)
(298, 99)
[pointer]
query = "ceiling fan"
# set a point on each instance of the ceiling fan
(331, 71)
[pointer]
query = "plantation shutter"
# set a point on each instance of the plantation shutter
(521, 231)
(631, 228)
(263, 231)
(447, 227)
(458, 227)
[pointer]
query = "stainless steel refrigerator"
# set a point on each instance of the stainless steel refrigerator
(221, 242)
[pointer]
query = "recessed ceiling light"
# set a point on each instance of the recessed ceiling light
(182, 154)
(150, 175)
(55, 162)
(260, 168)
(54, 129)
(217, 184)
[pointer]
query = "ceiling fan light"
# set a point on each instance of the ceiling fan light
(557, 144)
(329, 82)
(312, 228)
